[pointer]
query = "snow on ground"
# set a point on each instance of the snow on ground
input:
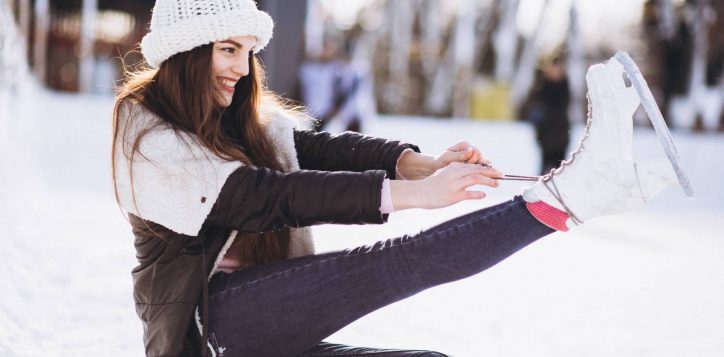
(647, 283)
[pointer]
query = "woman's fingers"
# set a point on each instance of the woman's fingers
(460, 146)
(449, 157)
(492, 172)
(462, 169)
(462, 152)
(476, 157)
(469, 195)
(476, 179)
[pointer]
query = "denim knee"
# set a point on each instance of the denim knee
(431, 354)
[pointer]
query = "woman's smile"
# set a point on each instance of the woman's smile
(227, 84)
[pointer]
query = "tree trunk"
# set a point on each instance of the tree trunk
(40, 43)
(87, 39)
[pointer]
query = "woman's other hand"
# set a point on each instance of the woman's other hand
(416, 166)
(445, 187)
(460, 152)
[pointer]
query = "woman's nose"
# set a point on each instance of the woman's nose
(241, 67)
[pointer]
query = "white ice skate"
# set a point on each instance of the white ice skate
(601, 177)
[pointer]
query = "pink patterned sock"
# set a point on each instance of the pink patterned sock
(548, 215)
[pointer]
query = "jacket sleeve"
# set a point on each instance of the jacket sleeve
(259, 199)
(348, 151)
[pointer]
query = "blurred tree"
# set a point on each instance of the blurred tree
(285, 54)
(692, 103)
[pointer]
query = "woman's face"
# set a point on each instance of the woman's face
(230, 62)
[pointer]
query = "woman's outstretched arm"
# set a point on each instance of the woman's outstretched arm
(416, 166)
(259, 199)
(348, 151)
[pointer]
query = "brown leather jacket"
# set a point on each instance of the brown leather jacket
(170, 281)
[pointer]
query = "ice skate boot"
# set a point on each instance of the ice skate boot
(601, 177)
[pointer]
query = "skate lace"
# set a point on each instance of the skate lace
(547, 179)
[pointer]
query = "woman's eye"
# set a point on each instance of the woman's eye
(229, 49)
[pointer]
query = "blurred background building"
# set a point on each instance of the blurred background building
(454, 58)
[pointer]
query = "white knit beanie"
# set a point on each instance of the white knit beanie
(181, 25)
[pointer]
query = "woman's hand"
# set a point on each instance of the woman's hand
(445, 187)
(417, 166)
(460, 152)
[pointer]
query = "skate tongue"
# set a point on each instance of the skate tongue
(657, 119)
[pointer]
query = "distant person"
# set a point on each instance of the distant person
(336, 91)
(221, 186)
(547, 110)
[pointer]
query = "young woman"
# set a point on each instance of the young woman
(220, 185)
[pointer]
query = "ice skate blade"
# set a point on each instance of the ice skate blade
(657, 119)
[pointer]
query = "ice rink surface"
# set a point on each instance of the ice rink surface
(647, 283)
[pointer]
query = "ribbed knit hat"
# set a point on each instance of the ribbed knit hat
(181, 25)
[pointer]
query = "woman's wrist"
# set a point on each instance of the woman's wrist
(414, 166)
(406, 194)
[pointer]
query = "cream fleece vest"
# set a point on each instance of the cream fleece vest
(174, 181)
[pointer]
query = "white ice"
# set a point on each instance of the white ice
(647, 283)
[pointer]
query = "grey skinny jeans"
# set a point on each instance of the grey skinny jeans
(288, 307)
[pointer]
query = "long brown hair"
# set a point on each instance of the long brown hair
(182, 92)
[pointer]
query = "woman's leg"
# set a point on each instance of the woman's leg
(285, 308)
(325, 349)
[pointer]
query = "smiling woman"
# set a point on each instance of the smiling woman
(221, 185)
(230, 62)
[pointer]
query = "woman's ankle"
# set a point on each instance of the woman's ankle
(548, 215)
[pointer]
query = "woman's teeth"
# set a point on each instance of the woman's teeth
(227, 84)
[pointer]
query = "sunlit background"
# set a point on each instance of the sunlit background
(459, 58)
